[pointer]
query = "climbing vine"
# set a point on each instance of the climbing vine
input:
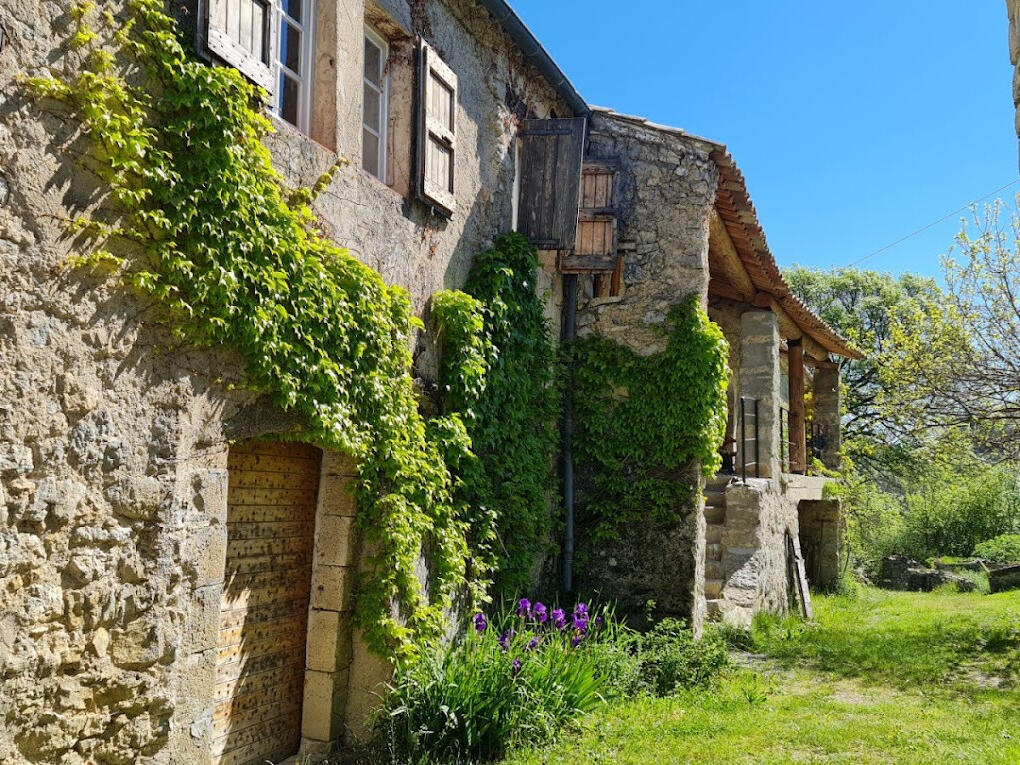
(642, 420)
(214, 232)
(511, 416)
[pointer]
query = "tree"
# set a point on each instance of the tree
(861, 306)
(959, 364)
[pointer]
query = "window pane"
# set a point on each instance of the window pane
(292, 8)
(289, 99)
(370, 152)
(290, 48)
(372, 104)
(373, 63)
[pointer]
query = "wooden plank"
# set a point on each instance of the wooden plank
(796, 561)
(551, 157)
(276, 497)
(274, 731)
(272, 463)
(241, 514)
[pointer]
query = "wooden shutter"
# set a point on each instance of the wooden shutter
(243, 34)
(596, 225)
(437, 134)
(550, 181)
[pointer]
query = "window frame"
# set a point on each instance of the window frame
(306, 55)
(379, 41)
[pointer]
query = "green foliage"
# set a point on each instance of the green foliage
(862, 305)
(517, 682)
(642, 420)
(1004, 548)
(672, 660)
(958, 366)
(904, 639)
(232, 253)
(512, 417)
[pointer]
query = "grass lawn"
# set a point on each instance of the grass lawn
(883, 677)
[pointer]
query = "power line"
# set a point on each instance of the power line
(934, 223)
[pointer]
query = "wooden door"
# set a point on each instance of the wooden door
(260, 665)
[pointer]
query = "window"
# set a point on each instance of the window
(437, 147)
(294, 62)
(375, 96)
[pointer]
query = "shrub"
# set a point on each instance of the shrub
(672, 660)
(516, 681)
(1001, 549)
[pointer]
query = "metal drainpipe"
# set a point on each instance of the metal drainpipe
(567, 336)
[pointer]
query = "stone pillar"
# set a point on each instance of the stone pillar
(759, 379)
(827, 415)
(798, 440)
(821, 534)
(329, 650)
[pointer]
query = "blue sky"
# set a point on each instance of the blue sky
(854, 124)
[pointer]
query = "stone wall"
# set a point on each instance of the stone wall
(1013, 12)
(821, 540)
(758, 519)
(667, 187)
(113, 437)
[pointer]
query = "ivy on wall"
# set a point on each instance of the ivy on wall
(511, 416)
(642, 420)
(215, 233)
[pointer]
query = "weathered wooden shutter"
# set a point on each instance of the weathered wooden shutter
(242, 33)
(550, 180)
(596, 224)
(437, 134)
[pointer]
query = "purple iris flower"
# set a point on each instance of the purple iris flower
(524, 607)
(517, 665)
(598, 621)
(480, 623)
(532, 644)
(580, 622)
(559, 619)
(505, 638)
(577, 640)
(581, 608)
(540, 613)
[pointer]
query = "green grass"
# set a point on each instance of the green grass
(879, 678)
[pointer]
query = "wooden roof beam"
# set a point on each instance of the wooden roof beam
(723, 253)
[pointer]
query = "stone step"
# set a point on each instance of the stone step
(713, 551)
(718, 481)
(715, 498)
(715, 514)
(713, 588)
(714, 569)
(713, 608)
(714, 533)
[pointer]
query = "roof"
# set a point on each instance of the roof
(534, 51)
(737, 212)
(735, 208)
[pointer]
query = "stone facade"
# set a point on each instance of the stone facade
(1013, 13)
(667, 187)
(114, 439)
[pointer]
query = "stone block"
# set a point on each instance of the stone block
(1003, 579)
(317, 713)
(335, 497)
(334, 541)
(331, 588)
(323, 635)
(204, 554)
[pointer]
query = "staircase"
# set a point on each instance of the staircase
(715, 520)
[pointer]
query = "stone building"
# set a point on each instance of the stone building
(685, 225)
(1013, 13)
(173, 588)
